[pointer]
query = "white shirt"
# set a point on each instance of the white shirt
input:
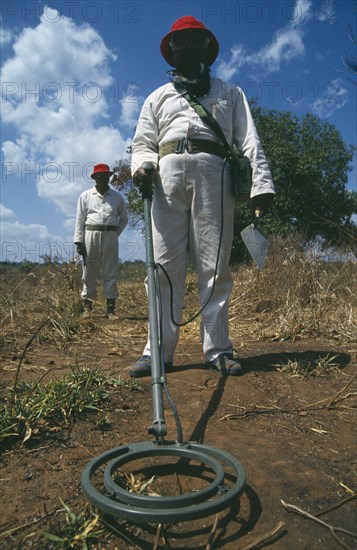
(95, 209)
(166, 116)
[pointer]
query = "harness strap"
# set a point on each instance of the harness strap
(192, 146)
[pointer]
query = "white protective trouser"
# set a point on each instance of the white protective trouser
(186, 217)
(102, 251)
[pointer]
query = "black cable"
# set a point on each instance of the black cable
(175, 413)
(162, 363)
(215, 269)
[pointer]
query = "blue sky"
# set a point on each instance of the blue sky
(75, 75)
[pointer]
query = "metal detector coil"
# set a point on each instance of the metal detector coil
(116, 501)
(225, 476)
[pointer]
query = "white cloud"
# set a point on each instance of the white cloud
(6, 213)
(228, 67)
(129, 112)
(55, 89)
(68, 225)
(6, 37)
(33, 242)
(302, 12)
(20, 241)
(130, 106)
(287, 44)
(58, 51)
(335, 96)
(16, 150)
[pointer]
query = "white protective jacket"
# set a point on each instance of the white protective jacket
(193, 204)
(101, 246)
(95, 209)
(166, 116)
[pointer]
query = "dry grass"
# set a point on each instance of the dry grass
(292, 298)
(305, 367)
(295, 297)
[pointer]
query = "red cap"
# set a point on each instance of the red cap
(101, 169)
(189, 22)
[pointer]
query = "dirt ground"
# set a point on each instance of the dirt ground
(295, 437)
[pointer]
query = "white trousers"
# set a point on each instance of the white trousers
(102, 252)
(187, 222)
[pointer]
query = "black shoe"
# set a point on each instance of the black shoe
(110, 313)
(226, 364)
(142, 367)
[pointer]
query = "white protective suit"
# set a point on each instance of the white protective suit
(188, 202)
(102, 249)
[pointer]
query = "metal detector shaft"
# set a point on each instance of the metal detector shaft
(158, 428)
(226, 479)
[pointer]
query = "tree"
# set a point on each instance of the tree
(122, 180)
(310, 163)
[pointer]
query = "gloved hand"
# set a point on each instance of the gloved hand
(262, 203)
(81, 249)
(144, 180)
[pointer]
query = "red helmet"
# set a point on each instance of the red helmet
(100, 169)
(189, 22)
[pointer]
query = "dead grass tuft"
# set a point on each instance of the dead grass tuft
(294, 296)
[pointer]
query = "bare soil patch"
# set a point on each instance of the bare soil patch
(295, 435)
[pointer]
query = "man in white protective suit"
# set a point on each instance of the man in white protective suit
(193, 201)
(101, 218)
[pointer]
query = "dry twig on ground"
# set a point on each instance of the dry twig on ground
(331, 528)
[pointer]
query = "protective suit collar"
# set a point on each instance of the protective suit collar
(197, 84)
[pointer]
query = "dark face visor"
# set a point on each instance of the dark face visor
(196, 38)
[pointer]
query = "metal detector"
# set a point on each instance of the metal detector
(221, 476)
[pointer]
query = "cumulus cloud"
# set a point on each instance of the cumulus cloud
(33, 242)
(6, 214)
(129, 112)
(55, 90)
(130, 106)
(20, 241)
(287, 44)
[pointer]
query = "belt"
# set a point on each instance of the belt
(192, 146)
(101, 227)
